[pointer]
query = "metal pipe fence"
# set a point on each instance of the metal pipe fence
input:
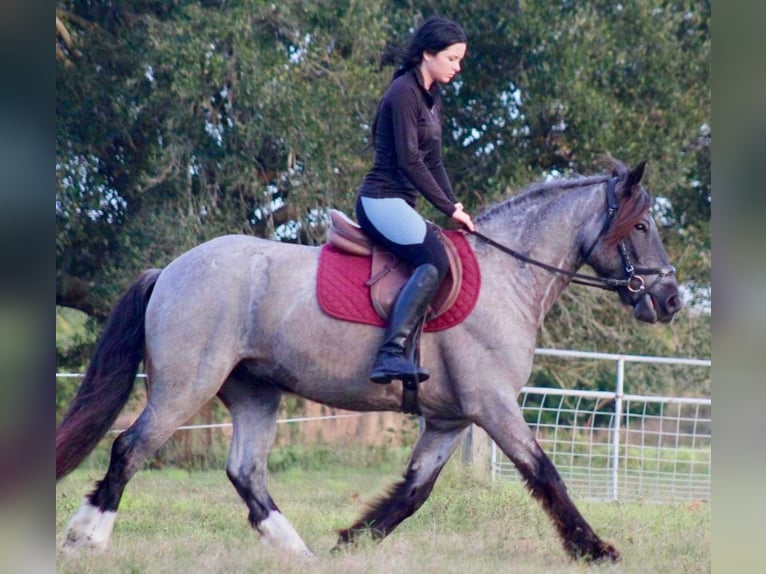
(606, 444)
(616, 446)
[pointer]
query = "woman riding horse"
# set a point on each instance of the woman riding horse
(407, 137)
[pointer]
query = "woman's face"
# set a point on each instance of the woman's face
(443, 66)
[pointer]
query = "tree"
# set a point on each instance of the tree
(180, 122)
(551, 87)
(177, 122)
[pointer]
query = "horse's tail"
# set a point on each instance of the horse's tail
(109, 379)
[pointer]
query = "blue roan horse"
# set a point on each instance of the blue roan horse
(237, 317)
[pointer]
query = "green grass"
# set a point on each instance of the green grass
(650, 459)
(178, 521)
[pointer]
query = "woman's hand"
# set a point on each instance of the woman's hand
(463, 217)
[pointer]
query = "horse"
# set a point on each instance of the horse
(237, 317)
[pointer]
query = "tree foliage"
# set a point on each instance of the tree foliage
(180, 121)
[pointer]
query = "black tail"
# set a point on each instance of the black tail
(109, 379)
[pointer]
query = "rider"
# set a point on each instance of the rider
(408, 162)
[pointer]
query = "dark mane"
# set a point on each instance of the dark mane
(533, 192)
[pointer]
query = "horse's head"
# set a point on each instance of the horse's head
(630, 249)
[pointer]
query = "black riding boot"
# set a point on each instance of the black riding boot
(409, 308)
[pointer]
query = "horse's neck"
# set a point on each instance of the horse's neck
(551, 230)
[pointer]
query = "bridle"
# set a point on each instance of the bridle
(634, 281)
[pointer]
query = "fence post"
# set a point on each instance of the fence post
(475, 452)
(618, 395)
(493, 460)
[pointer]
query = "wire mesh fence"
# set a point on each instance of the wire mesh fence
(609, 445)
(606, 445)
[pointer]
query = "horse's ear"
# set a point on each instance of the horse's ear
(634, 177)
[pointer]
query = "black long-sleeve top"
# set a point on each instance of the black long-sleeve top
(408, 158)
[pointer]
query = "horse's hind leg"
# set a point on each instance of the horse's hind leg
(171, 402)
(254, 407)
(511, 432)
(432, 450)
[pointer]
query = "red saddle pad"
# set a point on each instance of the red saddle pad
(342, 292)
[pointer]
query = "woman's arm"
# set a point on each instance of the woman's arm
(440, 175)
(409, 158)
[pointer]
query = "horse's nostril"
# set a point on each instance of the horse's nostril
(674, 304)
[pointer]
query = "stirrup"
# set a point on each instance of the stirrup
(393, 367)
(420, 375)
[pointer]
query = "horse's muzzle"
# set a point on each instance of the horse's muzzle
(659, 304)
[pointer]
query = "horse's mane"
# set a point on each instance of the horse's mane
(535, 191)
(629, 213)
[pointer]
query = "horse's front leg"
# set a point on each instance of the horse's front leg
(432, 450)
(507, 427)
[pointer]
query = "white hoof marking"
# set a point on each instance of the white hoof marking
(90, 528)
(277, 531)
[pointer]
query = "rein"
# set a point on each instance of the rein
(635, 283)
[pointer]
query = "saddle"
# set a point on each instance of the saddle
(389, 273)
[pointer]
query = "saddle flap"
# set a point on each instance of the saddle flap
(450, 288)
(389, 274)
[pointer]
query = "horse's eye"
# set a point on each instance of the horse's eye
(641, 227)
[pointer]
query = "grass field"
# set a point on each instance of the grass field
(177, 521)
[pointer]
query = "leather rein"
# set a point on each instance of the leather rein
(634, 282)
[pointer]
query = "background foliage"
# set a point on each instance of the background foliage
(180, 121)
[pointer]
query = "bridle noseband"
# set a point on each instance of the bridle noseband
(634, 282)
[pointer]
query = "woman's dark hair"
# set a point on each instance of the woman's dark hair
(433, 36)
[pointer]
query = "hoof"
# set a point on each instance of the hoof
(89, 529)
(77, 541)
(346, 537)
(277, 532)
(595, 551)
(605, 552)
(350, 536)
